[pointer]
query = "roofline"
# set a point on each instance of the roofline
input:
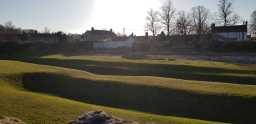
(230, 26)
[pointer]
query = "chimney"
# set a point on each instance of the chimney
(92, 28)
(111, 30)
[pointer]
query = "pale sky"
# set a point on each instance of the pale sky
(77, 16)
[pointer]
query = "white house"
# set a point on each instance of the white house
(231, 33)
(253, 35)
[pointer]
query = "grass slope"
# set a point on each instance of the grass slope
(170, 68)
(184, 88)
(38, 108)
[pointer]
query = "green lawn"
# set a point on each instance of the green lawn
(171, 90)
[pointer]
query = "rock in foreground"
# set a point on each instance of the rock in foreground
(100, 117)
(8, 120)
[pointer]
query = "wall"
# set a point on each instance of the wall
(114, 44)
(234, 35)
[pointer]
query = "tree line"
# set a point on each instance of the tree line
(9, 27)
(171, 21)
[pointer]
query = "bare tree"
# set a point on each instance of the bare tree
(253, 21)
(9, 25)
(183, 23)
(2, 28)
(200, 17)
(167, 15)
(226, 13)
(153, 22)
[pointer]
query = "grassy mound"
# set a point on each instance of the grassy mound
(32, 107)
(156, 87)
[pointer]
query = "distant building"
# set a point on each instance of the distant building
(30, 31)
(233, 33)
(118, 42)
(98, 35)
(103, 39)
(253, 35)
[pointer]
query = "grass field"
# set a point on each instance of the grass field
(56, 88)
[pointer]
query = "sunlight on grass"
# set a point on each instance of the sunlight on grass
(56, 71)
(39, 108)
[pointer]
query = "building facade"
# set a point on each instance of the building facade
(124, 43)
(231, 33)
(253, 35)
(98, 35)
(103, 39)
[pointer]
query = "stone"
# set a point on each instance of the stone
(10, 120)
(100, 117)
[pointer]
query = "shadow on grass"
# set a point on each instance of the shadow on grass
(156, 100)
(162, 70)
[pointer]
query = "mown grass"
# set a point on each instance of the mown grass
(179, 69)
(35, 108)
(204, 90)
(152, 99)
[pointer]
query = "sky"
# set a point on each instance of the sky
(77, 16)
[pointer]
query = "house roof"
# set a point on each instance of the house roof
(235, 28)
(100, 32)
(99, 35)
(32, 31)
